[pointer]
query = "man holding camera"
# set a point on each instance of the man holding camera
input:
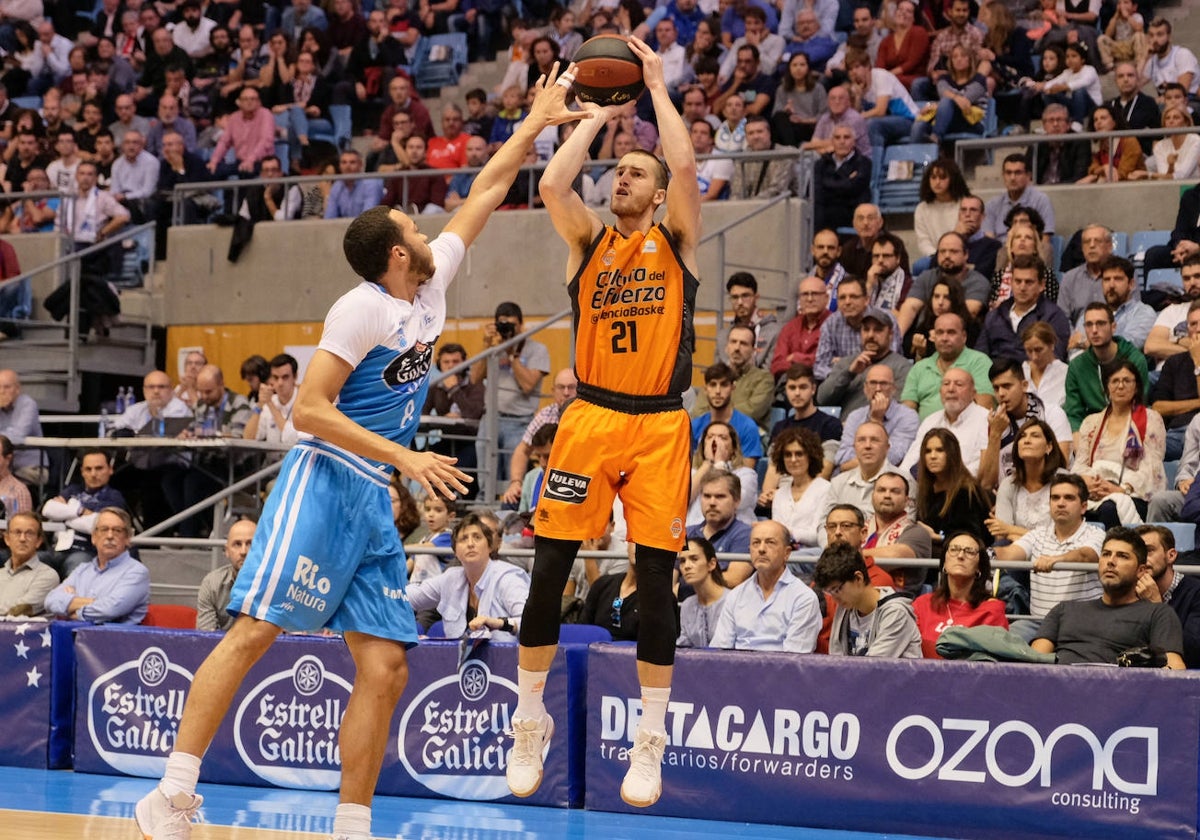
(519, 388)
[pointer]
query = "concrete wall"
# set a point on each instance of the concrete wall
(34, 249)
(1129, 206)
(294, 271)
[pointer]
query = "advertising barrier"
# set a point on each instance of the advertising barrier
(962, 749)
(447, 736)
(25, 651)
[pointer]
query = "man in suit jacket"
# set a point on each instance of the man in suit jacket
(1185, 238)
(1065, 162)
(843, 181)
(1140, 110)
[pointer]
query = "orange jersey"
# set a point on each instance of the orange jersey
(634, 301)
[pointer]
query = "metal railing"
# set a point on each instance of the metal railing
(181, 192)
(1035, 141)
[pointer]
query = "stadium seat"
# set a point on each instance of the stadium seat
(178, 616)
(1165, 278)
(444, 57)
(27, 103)
(1140, 242)
(1185, 534)
(902, 196)
(1120, 243)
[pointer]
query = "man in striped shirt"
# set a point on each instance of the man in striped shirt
(1068, 540)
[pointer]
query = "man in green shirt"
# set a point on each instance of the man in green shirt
(922, 389)
(1085, 390)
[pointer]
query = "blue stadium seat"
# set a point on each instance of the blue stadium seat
(1120, 243)
(444, 59)
(1165, 278)
(902, 196)
(1140, 242)
(27, 103)
(1185, 534)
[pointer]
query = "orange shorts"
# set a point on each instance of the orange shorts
(599, 453)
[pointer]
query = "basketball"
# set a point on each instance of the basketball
(607, 71)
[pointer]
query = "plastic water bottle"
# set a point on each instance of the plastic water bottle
(198, 420)
(122, 400)
(160, 427)
(210, 421)
(102, 428)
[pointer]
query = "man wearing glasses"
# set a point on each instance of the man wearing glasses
(25, 581)
(797, 341)
(113, 588)
(870, 620)
(742, 287)
(772, 609)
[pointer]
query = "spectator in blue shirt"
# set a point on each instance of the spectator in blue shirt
(720, 494)
(113, 588)
(349, 198)
(77, 508)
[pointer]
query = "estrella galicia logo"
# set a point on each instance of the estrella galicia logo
(286, 727)
(452, 735)
(410, 366)
(133, 712)
(562, 486)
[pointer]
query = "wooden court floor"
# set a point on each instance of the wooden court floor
(62, 805)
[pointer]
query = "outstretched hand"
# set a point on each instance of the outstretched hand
(435, 473)
(652, 66)
(550, 106)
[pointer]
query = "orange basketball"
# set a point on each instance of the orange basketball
(607, 71)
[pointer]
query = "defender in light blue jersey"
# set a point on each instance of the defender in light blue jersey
(326, 553)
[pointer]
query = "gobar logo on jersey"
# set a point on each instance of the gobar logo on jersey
(451, 736)
(410, 366)
(133, 712)
(286, 728)
(562, 486)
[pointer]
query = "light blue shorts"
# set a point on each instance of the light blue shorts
(326, 552)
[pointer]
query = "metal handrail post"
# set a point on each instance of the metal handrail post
(487, 469)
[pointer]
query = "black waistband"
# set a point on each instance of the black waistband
(629, 403)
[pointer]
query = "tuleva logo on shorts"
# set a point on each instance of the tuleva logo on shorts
(571, 488)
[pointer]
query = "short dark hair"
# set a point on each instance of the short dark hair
(718, 372)
(859, 516)
(510, 309)
(1004, 365)
(1111, 369)
(369, 240)
(6, 446)
(1074, 480)
(452, 347)
(1016, 158)
(1098, 305)
(255, 365)
(799, 370)
(741, 278)
(1027, 262)
(96, 451)
(285, 359)
(471, 519)
(544, 435)
(838, 564)
(477, 94)
(1166, 537)
(1127, 535)
(1118, 262)
(858, 281)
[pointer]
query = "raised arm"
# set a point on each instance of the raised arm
(492, 183)
(683, 191)
(572, 219)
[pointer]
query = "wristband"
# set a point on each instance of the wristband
(506, 625)
(256, 410)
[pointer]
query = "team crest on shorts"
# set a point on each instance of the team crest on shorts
(676, 527)
(562, 486)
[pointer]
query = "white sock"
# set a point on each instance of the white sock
(530, 685)
(654, 709)
(353, 821)
(182, 772)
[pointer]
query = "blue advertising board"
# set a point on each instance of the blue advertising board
(447, 736)
(25, 659)
(980, 750)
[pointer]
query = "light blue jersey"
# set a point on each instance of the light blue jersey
(326, 552)
(389, 343)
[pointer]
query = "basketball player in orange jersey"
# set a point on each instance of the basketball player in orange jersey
(633, 288)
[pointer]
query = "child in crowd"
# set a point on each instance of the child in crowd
(439, 518)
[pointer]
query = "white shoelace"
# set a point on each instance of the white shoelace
(527, 742)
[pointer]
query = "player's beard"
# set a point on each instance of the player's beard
(422, 263)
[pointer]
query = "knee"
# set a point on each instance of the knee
(249, 637)
(383, 676)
